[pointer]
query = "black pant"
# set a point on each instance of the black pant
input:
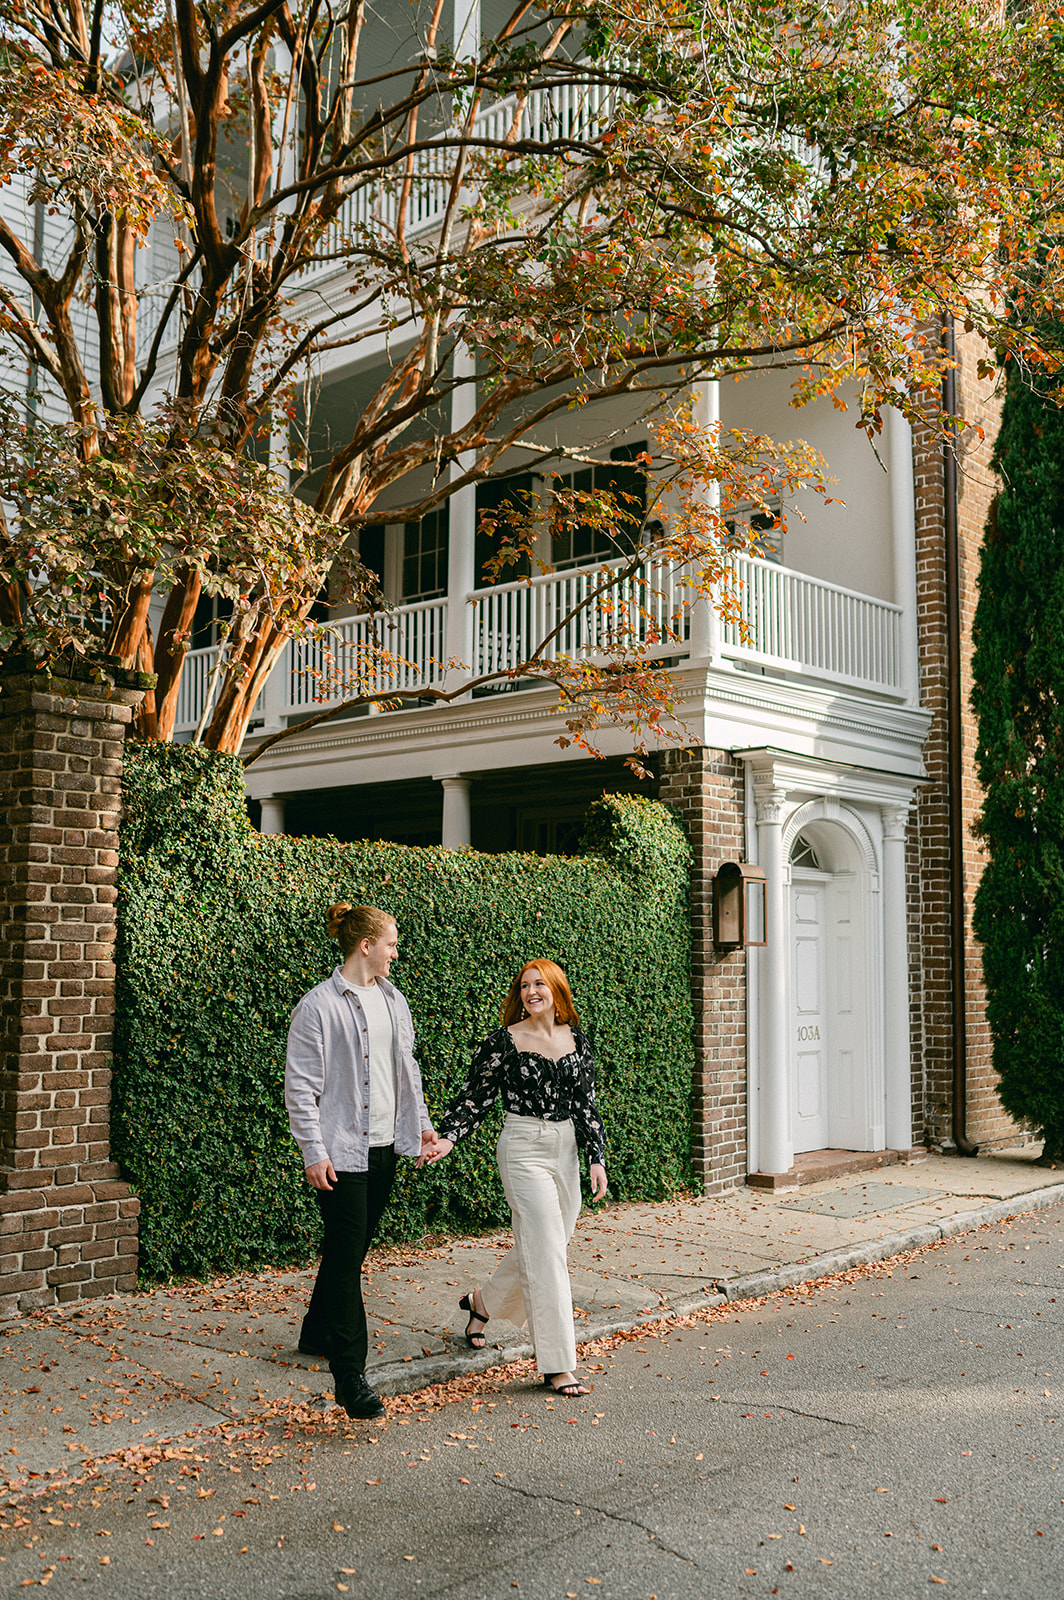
(336, 1317)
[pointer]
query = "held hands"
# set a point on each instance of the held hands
(597, 1174)
(434, 1148)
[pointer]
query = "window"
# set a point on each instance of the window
(371, 550)
(557, 834)
(576, 545)
(803, 854)
(425, 556)
(502, 499)
(211, 611)
(758, 533)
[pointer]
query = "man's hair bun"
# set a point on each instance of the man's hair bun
(349, 924)
(335, 916)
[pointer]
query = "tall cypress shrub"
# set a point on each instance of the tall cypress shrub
(1018, 698)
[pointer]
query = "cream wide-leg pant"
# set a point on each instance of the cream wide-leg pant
(540, 1173)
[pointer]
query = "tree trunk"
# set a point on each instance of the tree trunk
(237, 696)
(171, 649)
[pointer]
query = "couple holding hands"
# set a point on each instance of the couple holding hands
(355, 1103)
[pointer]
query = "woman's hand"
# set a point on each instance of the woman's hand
(597, 1173)
(441, 1148)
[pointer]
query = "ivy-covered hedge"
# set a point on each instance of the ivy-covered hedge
(221, 929)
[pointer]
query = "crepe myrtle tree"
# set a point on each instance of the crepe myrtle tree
(622, 198)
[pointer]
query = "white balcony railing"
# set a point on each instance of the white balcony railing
(564, 110)
(794, 624)
(410, 639)
(511, 619)
(805, 625)
(310, 674)
(194, 687)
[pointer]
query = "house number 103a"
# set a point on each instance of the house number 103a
(808, 1033)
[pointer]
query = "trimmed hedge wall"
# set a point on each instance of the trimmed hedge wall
(221, 929)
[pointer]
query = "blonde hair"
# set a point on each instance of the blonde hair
(558, 984)
(349, 924)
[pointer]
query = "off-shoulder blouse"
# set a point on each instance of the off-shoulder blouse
(531, 1085)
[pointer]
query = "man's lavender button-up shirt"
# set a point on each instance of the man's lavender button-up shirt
(326, 1079)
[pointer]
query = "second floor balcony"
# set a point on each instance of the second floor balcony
(790, 626)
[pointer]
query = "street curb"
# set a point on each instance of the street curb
(406, 1378)
(758, 1284)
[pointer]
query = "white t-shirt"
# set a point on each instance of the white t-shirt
(381, 1065)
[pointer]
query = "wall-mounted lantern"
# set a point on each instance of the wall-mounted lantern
(740, 905)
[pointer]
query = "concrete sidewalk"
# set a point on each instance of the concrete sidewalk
(105, 1377)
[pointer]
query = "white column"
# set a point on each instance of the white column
(903, 545)
(776, 1148)
(466, 28)
(272, 814)
(275, 696)
(897, 1040)
(456, 833)
(461, 550)
(705, 618)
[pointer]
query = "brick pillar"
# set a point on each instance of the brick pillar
(929, 878)
(706, 787)
(68, 1225)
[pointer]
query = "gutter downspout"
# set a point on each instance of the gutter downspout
(963, 1144)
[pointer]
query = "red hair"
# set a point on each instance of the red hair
(557, 983)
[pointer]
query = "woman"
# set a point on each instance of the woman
(353, 1092)
(541, 1064)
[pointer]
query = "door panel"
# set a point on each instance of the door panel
(849, 1067)
(810, 1034)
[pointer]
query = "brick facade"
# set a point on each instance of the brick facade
(68, 1226)
(707, 789)
(929, 859)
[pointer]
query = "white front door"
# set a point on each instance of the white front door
(849, 1084)
(810, 1042)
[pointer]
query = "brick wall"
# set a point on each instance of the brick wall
(707, 789)
(929, 879)
(68, 1225)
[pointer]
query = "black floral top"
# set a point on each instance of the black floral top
(531, 1086)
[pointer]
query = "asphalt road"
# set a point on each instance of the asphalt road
(883, 1437)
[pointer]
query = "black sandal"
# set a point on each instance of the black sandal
(466, 1304)
(571, 1391)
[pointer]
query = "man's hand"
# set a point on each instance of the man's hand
(597, 1174)
(322, 1175)
(440, 1148)
(428, 1148)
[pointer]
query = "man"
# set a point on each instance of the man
(355, 1103)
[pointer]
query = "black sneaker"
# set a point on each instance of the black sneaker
(357, 1398)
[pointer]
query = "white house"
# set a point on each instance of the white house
(820, 751)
